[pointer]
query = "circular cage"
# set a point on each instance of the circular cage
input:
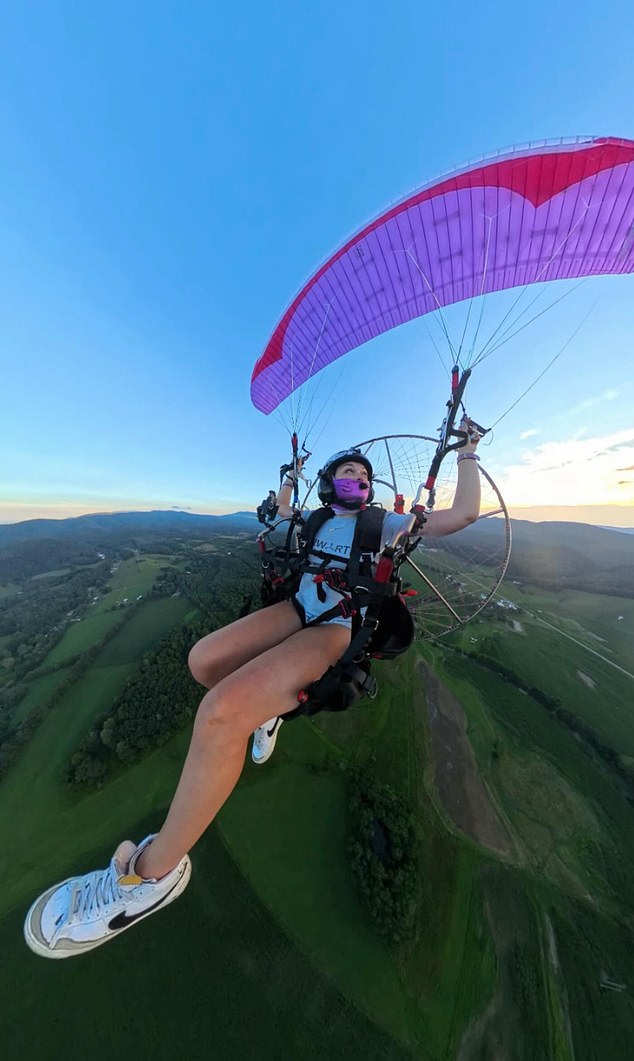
(454, 576)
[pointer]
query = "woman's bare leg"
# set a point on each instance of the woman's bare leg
(263, 687)
(224, 651)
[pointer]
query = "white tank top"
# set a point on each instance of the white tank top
(335, 540)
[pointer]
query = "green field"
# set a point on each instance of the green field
(594, 688)
(311, 893)
(39, 690)
(568, 815)
(269, 953)
(131, 579)
(36, 809)
(593, 618)
(100, 619)
(221, 979)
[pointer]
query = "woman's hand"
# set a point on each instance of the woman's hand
(290, 474)
(473, 437)
(286, 490)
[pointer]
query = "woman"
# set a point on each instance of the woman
(253, 670)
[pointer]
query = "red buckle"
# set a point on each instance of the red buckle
(384, 569)
(346, 609)
(333, 577)
(302, 696)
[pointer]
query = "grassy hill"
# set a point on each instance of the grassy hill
(523, 921)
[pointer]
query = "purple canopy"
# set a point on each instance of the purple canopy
(534, 214)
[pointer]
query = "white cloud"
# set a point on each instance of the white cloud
(575, 471)
(529, 434)
(609, 395)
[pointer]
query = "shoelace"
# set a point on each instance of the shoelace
(95, 891)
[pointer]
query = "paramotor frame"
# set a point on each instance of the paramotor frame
(456, 576)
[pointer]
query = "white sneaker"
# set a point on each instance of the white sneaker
(83, 912)
(264, 739)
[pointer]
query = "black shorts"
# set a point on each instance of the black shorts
(300, 610)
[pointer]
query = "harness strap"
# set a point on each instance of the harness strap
(313, 525)
(356, 584)
(347, 681)
(366, 543)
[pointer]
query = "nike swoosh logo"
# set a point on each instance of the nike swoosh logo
(123, 919)
(270, 732)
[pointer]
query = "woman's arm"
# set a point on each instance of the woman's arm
(285, 493)
(466, 503)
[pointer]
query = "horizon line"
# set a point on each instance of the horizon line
(592, 515)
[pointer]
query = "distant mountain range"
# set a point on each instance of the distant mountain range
(99, 524)
(569, 555)
(36, 546)
(555, 554)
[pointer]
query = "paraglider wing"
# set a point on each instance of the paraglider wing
(529, 215)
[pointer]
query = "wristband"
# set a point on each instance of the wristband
(467, 457)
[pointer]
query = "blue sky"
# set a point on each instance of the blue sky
(171, 174)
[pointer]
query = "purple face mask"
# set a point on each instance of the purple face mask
(350, 490)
